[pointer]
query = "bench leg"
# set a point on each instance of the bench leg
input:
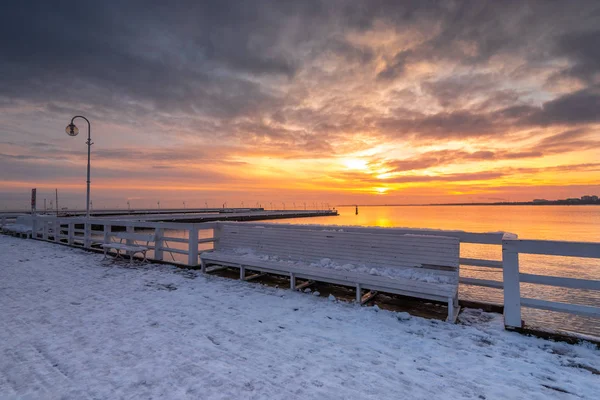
(453, 309)
(242, 272)
(292, 281)
(358, 293)
(202, 266)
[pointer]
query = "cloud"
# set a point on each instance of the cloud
(582, 49)
(228, 83)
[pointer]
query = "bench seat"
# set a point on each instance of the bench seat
(407, 287)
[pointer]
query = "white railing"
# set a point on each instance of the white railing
(512, 247)
(91, 233)
(79, 232)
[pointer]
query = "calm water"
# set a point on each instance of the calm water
(572, 223)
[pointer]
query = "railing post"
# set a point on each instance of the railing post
(512, 288)
(159, 233)
(87, 234)
(193, 246)
(34, 227)
(107, 229)
(71, 233)
(129, 229)
(216, 235)
(57, 228)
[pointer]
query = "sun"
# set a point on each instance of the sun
(355, 163)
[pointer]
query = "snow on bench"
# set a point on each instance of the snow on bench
(22, 227)
(115, 241)
(421, 266)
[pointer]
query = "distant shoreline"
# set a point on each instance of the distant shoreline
(527, 203)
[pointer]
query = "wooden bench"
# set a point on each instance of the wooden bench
(422, 266)
(116, 242)
(22, 227)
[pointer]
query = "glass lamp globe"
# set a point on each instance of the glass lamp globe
(72, 130)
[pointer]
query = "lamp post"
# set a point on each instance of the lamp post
(72, 130)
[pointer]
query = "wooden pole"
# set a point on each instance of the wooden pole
(512, 286)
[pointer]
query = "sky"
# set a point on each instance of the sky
(272, 102)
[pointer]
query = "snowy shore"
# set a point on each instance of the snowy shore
(75, 327)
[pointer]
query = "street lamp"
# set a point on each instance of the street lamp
(72, 130)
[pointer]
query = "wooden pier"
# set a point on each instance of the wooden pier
(230, 215)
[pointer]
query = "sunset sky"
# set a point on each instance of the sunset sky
(342, 102)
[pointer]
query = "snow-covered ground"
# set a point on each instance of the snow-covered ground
(75, 327)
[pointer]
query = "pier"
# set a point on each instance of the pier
(224, 215)
(180, 238)
(182, 243)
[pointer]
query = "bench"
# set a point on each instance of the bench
(22, 227)
(115, 241)
(421, 266)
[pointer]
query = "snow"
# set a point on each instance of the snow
(417, 274)
(75, 327)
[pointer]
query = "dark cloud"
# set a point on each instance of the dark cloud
(580, 107)
(583, 51)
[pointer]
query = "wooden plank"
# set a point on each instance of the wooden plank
(174, 250)
(512, 289)
(478, 262)
(439, 241)
(175, 240)
(215, 269)
(255, 276)
(572, 283)
(554, 248)
(577, 309)
(464, 237)
(481, 282)
(368, 297)
(304, 285)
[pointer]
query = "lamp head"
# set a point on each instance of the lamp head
(72, 130)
